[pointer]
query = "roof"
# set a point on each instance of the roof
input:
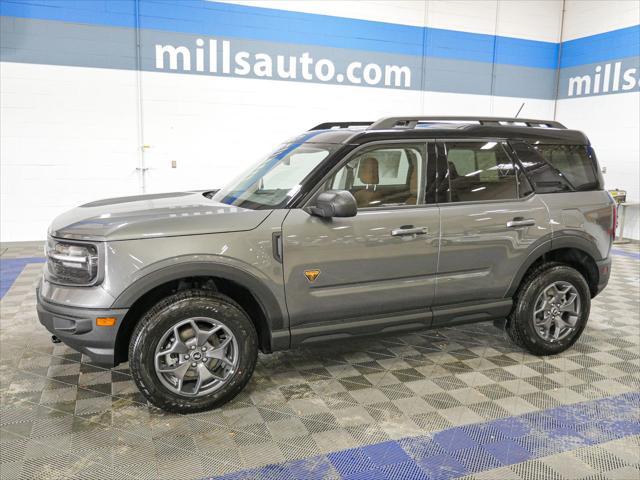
(394, 128)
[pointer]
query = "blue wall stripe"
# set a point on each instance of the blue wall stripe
(10, 270)
(202, 17)
(622, 43)
(239, 21)
(470, 449)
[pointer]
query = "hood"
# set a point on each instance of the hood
(156, 215)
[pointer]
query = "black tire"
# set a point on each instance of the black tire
(170, 311)
(520, 327)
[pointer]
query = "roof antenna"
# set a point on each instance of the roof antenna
(519, 110)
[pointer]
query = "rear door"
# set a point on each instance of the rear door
(490, 221)
(353, 274)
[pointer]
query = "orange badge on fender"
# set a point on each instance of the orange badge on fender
(311, 275)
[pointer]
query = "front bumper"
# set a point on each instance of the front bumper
(76, 327)
(604, 272)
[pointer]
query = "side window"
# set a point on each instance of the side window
(544, 177)
(389, 175)
(393, 167)
(573, 162)
(478, 171)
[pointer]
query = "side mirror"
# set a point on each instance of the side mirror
(334, 203)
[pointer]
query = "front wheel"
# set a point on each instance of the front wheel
(193, 351)
(551, 310)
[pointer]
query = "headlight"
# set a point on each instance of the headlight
(72, 263)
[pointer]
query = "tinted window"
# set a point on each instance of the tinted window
(573, 162)
(545, 177)
(478, 171)
(382, 176)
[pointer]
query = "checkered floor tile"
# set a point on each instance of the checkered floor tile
(61, 417)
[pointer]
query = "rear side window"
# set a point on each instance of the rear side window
(573, 162)
(478, 171)
(544, 177)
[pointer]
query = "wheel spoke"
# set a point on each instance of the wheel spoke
(546, 327)
(226, 361)
(564, 323)
(544, 331)
(557, 297)
(542, 308)
(571, 321)
(541, 321)
(204, 374)
(553, 288)
(565, 291)
(219, 352)
(178, 346)
(569, 303)
(202, 335)
(177, 371)
(561, 325)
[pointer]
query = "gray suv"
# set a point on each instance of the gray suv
(351, 228)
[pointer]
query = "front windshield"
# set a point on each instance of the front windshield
(273, 181)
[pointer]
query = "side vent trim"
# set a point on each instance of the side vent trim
(276, 239)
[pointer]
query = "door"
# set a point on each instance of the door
(491, 221)
(379, 264)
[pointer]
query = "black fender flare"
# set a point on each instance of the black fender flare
(578, 240)
(276, 320)
(562, 239)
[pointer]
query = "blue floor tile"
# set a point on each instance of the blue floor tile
(454, 439)
(507, 452)
(10, 270)
(385, 453)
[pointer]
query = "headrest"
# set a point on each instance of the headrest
(368, 171)
(453, 171)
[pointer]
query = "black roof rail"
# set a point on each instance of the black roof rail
(330, 125)
(411, 122)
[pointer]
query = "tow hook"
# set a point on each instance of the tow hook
(55, 339)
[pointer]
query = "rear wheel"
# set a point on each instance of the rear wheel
(193, 351)
(551, 310)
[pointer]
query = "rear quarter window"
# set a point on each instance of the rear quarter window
(574, 162)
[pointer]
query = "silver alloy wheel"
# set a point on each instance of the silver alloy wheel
(557, 310)
(196, 356)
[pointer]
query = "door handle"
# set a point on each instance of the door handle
(400, 232)
(521, 222)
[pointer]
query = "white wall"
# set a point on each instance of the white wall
(68, 136)
(612, 122)
(583, 18)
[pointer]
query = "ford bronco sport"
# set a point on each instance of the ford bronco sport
(351, 228)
